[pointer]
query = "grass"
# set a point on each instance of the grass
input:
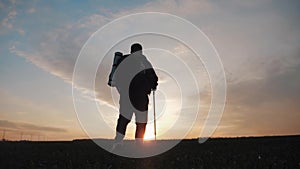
(225, 153)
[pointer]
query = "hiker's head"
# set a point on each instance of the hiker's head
(136, 47)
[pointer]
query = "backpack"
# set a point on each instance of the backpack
(146, 80)
(118, 58)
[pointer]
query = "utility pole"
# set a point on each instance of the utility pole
(3, 135)
(21, 137)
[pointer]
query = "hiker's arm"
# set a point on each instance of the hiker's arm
(151, 75)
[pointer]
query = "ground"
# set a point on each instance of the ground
(231, 153)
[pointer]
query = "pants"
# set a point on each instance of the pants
(138, 104)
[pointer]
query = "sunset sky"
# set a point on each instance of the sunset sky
(258, 43)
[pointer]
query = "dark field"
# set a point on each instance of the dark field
(231, 153)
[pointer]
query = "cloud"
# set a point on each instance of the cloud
(13, 1)
(28, 127)
(260, 54)
(21, 32)
(237, 38)
(10, 15)
(258, 46)
(182, 8)
(7, 22)
(58, 50)
(241, 46)
(2, 5)
(31, 10)
(266, 106)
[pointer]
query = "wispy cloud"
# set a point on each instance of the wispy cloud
(257, 42)
(182, 8)
(31, 10)
(246, 47)
(8, 20)
(58, 50)
(28, 127)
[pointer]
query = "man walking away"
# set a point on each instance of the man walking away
(134, 79)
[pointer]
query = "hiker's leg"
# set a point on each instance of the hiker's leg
(124, 118)
(141, 117)
(121, 128)
(140, 130)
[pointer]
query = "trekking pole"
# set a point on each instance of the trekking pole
(154, 114)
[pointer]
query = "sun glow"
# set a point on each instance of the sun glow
(149, 134)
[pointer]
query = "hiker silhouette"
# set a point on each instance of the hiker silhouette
(134, 78)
